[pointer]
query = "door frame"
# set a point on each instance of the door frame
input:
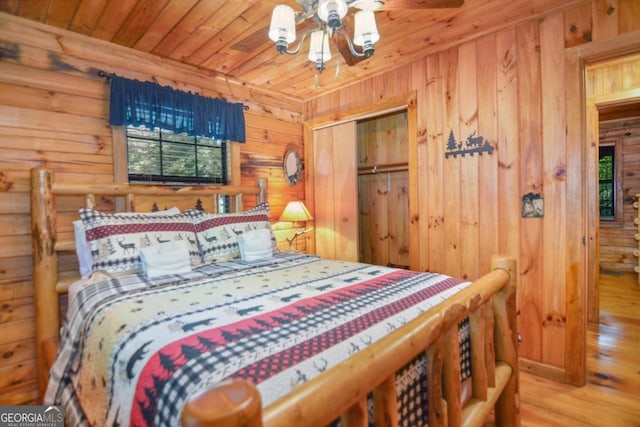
(592, 106)
(582, 145)
(380, 107)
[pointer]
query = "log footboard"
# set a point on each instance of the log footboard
(342, 391)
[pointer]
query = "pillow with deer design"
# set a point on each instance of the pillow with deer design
(83, 252)
(218, 233)
(115, 241)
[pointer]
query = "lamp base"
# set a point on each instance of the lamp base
(295, 236)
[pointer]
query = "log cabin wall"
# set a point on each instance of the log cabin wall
(509, 88)
(54, 112)
(617, 241)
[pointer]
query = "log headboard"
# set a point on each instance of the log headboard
(48, 283)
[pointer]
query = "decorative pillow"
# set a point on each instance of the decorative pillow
(255, 245)
(218, 233)
(115, 240)
(165, 258)
(85, 260)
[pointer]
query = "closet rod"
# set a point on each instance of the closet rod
(383, 168)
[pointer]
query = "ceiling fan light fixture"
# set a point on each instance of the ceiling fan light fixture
(365, 31)
(328, 15)
(319, 51)
(332, 12)
(283, 27)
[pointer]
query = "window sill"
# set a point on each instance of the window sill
(611, 224)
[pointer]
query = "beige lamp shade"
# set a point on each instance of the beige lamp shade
(295, 211)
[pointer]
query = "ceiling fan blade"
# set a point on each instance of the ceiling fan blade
(419, 4)
(343, 46)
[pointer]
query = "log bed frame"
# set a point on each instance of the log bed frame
(489, 303)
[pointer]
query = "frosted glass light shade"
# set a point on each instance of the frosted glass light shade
(365, 31)
(283, 24)
(332, 11)
(368, 4)
(319, 46)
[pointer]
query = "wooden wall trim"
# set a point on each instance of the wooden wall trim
(612, 47)
(364, 111)
(541, 370)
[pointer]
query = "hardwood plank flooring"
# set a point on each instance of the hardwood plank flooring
(612, 394)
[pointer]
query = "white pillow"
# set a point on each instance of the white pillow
(83, 251)
(165, 258)
(255, 244)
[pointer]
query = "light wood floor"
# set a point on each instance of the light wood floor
(612, 394)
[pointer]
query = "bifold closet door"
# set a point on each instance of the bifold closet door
(336, 191)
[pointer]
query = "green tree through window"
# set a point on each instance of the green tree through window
(606, 189)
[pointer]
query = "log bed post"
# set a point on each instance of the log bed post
(45, 272)
(506, 344)
(262, 184)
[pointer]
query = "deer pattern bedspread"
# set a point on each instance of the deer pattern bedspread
(132, 350)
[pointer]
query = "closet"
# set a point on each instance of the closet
(383, 190)
(361, 190)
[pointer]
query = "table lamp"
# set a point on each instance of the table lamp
(296, 211)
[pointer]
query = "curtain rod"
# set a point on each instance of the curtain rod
(107, 77)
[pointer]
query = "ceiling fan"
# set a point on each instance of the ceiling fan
(330, 18)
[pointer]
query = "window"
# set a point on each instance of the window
(607, 182)
(165, 135)
(163, 156)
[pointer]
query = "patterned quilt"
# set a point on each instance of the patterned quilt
(132, 349)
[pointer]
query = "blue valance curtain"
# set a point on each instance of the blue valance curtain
(153, 106)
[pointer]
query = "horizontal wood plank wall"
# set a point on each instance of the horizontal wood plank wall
(509, 88)
(54, 112)
(617, 241)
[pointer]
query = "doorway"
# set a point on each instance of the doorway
(605, 106)
(582, 148)
(619, 138)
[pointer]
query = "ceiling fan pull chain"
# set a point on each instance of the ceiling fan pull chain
(337, 68)
(315, 80)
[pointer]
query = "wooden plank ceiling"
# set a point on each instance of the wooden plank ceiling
(230, 36)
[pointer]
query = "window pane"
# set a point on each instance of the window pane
(162, 156)
(209, 162)
(606, 199)
(606, 173)
(178, 160)
(168, 136)
(143, 157)
(606, 167)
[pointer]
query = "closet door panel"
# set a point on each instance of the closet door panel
(335, 181)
